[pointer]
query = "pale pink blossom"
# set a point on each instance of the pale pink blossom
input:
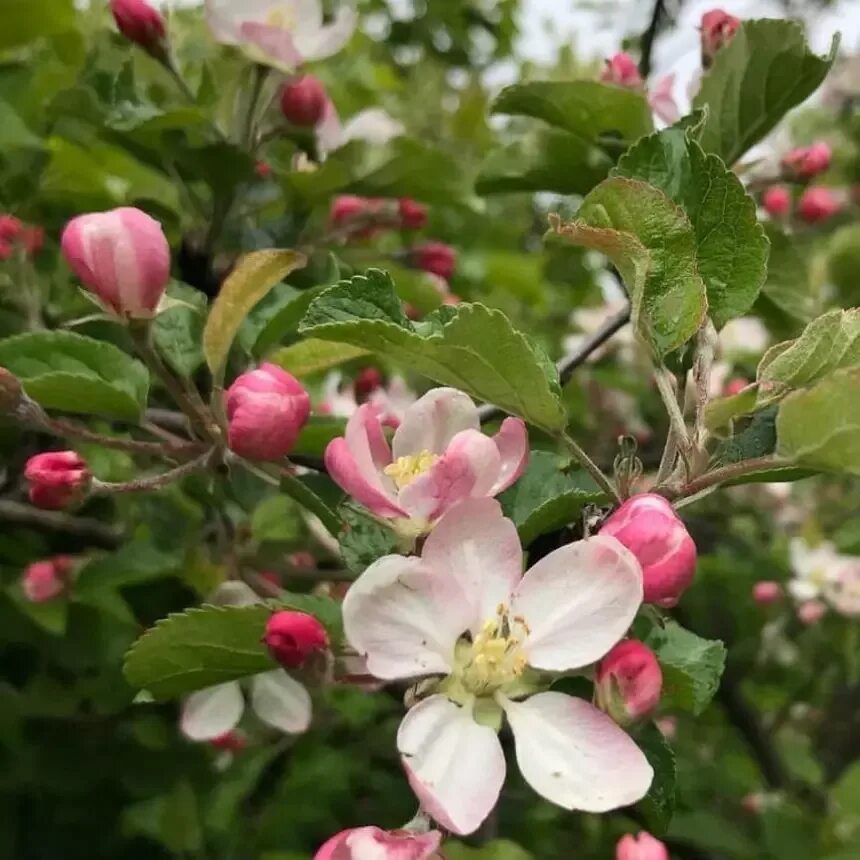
(487, 639)
(811, 612)
(372, 125)
(437, 458)
(371, 843)
(813, 567)
(391, 400)
(280, 33)
(767, 592)
(278, 700)
(662, 100)
(842, 590)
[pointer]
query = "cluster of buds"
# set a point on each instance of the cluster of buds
(805, 162)
(141, 24)
(15, 234)
(717, 29)
(58, 479)
(44, 580)
(816, 204)
(364, 217)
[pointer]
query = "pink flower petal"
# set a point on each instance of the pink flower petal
(512, 440)
(433, 420)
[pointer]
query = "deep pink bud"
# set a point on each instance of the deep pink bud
(121, 256)
(718, 27)
(366, 382)
(14, 232)
(735, 386)
(649, 527)
(263, 169)
(628, 682)
(292, 637)
(776, 201)
(818, 204)
(303, 101)
(232, 741)
(266, 409)
(45, 580)
(57, 479)
(413, 215)
(360, 843)
(641, 847)
(621, 69)
(811, 612)
(140, 23)
(436, 258)
(767, 592)
(807, 161)
(345, 208)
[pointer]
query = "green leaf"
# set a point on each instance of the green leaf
(495, 849)
(820, 427)
(721, 410)
(731, 246)
(549, 496)
(314, 355)
(317, 433)
(764, 71)
(651, 242)
(253, 276)
(276, 519)
(691, 666)
(828, 343)
(178, 330)
(758, 439)
(468, 346)
(282, 319)
(73, 373)
(787, 287)
(26, 20)
(14, 133)
(364, 538)
(658, 805)
(180, 820)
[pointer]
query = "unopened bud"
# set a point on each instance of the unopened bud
(776, 201)
(649, 527)
(765, 593)
(304, 101)
(292, 637)
(811, 612)
(360, 843)
(436, 258)
(718, 27)
(807, 161)
(142, 24)
(628, 682)
(413, 215)
(47, 579)
(641, 847)
(818, 204)
(57, 479)
(621, 69)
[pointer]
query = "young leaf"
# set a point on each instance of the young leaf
(731, 246)
(658, 805)
(317, 433)
(254, 275)
(470, 346)
(364, 539)
(691, 666)
(313, 355)
(178, 330)
(547, 496)
(820, 427)
(651, 242)
(756, 440)
(764, 71)
(73, 373)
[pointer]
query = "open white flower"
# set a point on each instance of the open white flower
(280, 33)
(463, 612)
(278, 700)
(813, 567)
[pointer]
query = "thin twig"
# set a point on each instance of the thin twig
(650, 36)
(592, 468)
(92, 530)
(726, 473)
(154, 482)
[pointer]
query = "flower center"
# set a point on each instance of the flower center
(495, 657)
(279, 18)
(404, 470)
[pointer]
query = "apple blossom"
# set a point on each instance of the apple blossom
(141, 23)
(303, 101)
(463, 614)
(44, 580)
(58, 479)
(280, 33)
(843, 587)
(811, 612)
(621, 69)
(391, 401)
(818, 204)
(767, 592)
(649, 527)
(662, 100)
(438, 457)
(372, 125)
(266, 410)
(371, 843)
(435, 257)
(641, 847)
(776, 201)
(807, 161)
(277, 699)
(628, 682)
(812, 567)
(292, 637)
(121, 256)
(717, 29)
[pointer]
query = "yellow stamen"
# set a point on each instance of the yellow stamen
(495, 658)
(404, 470)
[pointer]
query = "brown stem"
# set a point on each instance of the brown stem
(154, 482)
(726, 473)
(94, 531)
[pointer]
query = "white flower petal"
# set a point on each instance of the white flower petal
(234, 593)
(322, 41)
(574, 755)
(455, 766)
(373, 125)
(474, 545)
(212, 712)
(405, 619)
(578, 601)
(225, 17)
(281, 702)
(433, 420)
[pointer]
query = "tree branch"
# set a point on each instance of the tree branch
(650, 36)
(91, 530)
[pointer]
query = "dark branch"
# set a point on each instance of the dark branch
(649, 37)
(94, 531)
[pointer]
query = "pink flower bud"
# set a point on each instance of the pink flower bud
(121, 256)
(57, 479)
(266, 409)
(140, 23)
(263, 169)
(232, 741)
(413, 215)
(649, 527)
(718, 27)
(345, 208)
(641, 847)
(45, 580)
(303, 101)
(811, 612)
(15, 233)
(818, 204)
(735, 386)
(807, 161)
(366, 382)
(776, 201)
(628, 682)
(436, 258)
(292, 637)
(359, 843)
(621, 69)
(766, 592)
